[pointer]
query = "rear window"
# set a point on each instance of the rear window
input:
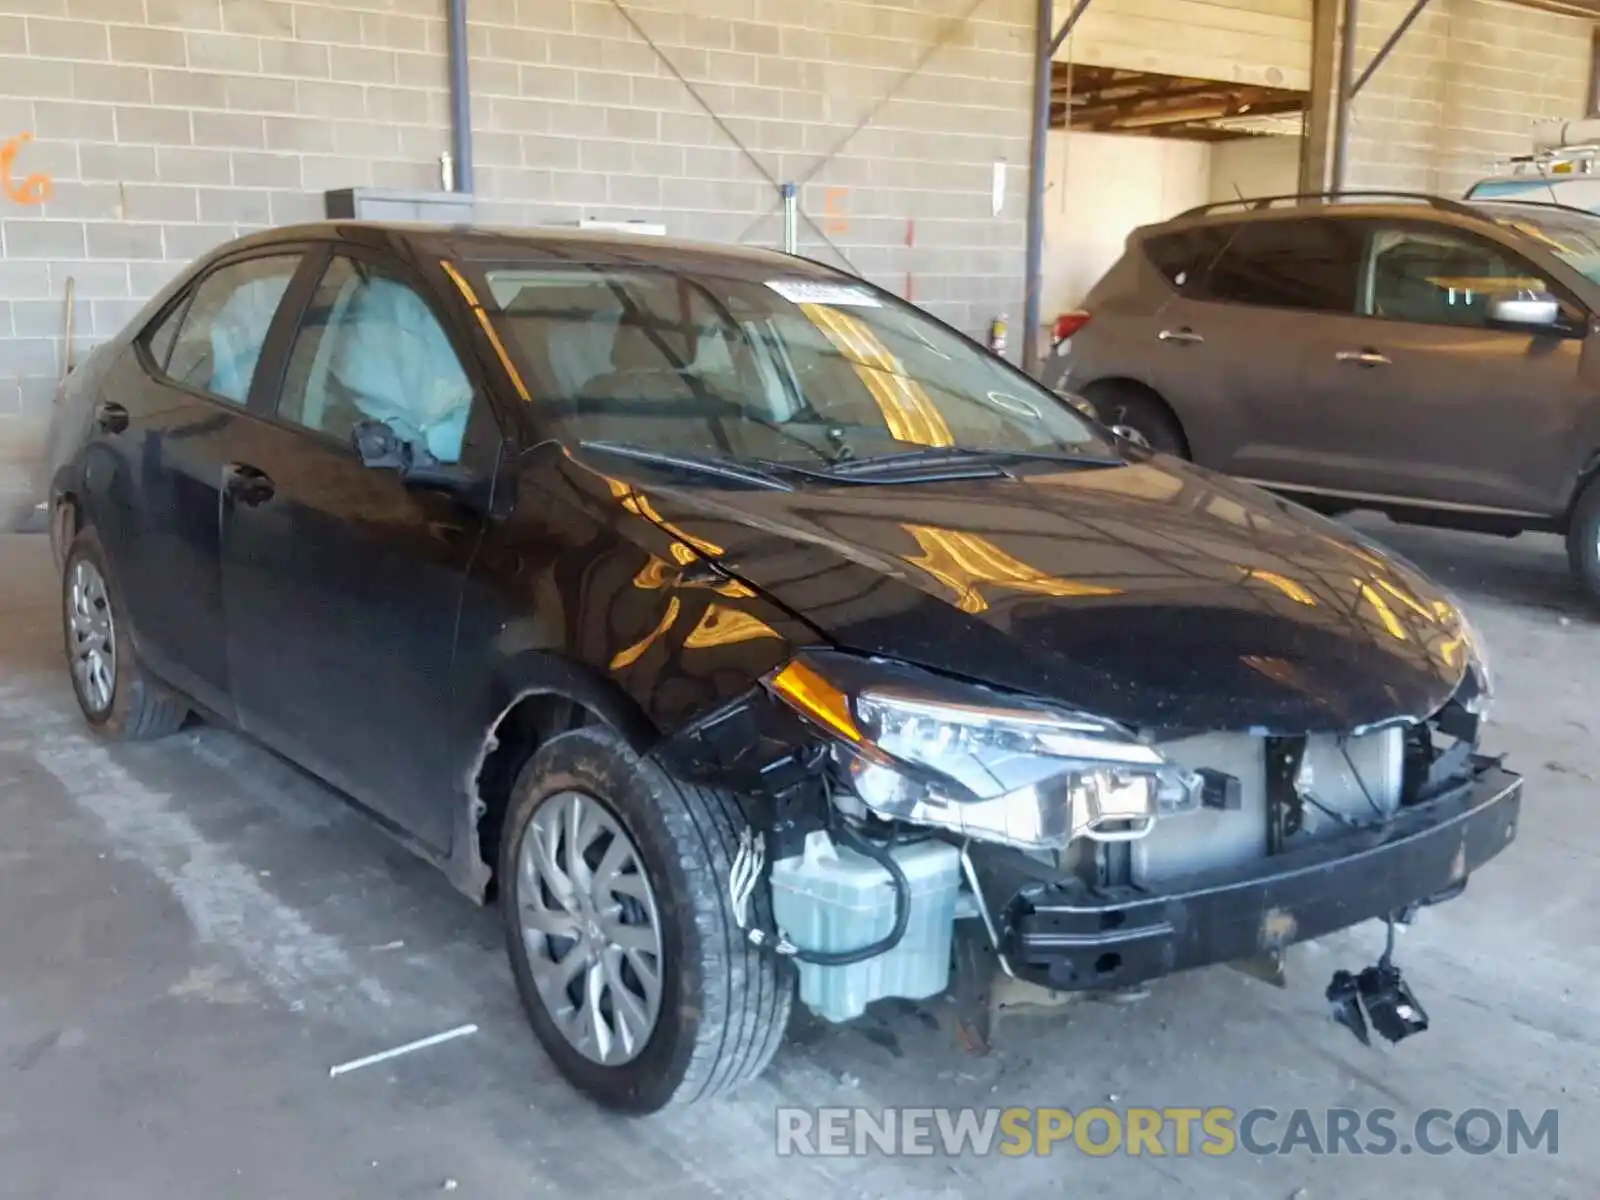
(1288, 264)
(1306, 264)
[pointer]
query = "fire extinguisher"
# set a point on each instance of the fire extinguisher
(997, 334)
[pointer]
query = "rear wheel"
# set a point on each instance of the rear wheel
(1583, 539)
(634, 975)
(119, 698)
(1139, 415)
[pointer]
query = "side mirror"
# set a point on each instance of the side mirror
(380, 449)
(440, 477)
(1525, 310)
(378, 446)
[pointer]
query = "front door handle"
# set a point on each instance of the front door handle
(247, 484)
(1363, 358)
(1181, 337)
(111, 416)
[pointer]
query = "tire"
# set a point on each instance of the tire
(1130, 407)
(1583, 540)
(723, 1005)
(140, 707)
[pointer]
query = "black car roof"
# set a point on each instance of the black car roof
(480, 243)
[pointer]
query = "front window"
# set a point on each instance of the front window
(370, 349)
(1441, 277)
(780, 368)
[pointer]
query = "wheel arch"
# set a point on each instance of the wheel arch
(66, 519)
(1587, 474)
(1109, 384)
(536, 697)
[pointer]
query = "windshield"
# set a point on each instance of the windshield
(1572, 237)
(788, 368)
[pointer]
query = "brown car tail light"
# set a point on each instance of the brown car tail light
(1067, 324)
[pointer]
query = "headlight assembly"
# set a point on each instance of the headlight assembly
(920, 748)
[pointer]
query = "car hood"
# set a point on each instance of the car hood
(1155, 594)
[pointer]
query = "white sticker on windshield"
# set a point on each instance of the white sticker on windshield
(812, 291)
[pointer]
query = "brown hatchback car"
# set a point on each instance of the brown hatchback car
(1431, 359)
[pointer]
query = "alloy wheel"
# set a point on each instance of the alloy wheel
(591, 927)
(1129, 434)
(1118, 424)
(93, 637)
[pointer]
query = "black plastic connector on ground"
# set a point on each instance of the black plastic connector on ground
(1378, 996)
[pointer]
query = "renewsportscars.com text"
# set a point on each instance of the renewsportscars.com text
(1158, 1132)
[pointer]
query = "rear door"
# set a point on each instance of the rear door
(164, 424)
(1271, 285)
(342, 585)
(1419, 395)
(1267, 285)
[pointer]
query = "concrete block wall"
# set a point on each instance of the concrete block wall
(1461, 90)
(168, 126)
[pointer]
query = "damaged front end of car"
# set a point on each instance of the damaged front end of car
(903, 821)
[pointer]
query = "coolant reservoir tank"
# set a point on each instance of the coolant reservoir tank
(831, 898)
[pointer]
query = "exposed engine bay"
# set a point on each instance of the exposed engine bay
(897, 824)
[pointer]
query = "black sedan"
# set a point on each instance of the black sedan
(748, 633)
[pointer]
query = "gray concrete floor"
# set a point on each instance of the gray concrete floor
(192, 932)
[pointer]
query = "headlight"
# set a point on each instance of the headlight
(927, 750)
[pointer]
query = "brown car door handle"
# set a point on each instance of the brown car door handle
(1181, 337)
(1363, 358)
(247, 485)
(111, 416)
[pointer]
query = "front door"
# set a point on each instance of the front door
(1419, 395)
(342, 585)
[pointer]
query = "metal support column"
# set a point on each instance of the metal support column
(1318, 134)
(1341, 116)
(460, 96)
(1043, 60)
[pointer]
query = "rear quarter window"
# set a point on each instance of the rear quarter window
(1181, 256)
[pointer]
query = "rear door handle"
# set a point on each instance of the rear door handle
(111, 416)
(1363, 358)
(1181, 337)
(248, 485)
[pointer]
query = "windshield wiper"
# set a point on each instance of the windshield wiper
(961, 458)
(722, 468)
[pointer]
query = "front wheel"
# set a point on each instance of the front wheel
(634, 975)
(1583, 540)
(1138, 415)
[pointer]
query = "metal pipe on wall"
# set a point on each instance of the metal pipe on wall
(791, 218)
(1346, 95)
(1043, 48)
(460, 96)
